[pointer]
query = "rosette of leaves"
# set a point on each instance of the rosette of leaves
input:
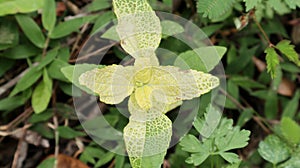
(153, 90)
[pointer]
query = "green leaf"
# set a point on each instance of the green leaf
(49, 15)
(230, 157)
(90, 153)
(245, 116)
(27, 80)
(98, 5)
(73, 72)
(170, 28)
(273, 149)
(290, 129)
(293, 162)
(271, 105)
(5, 65)
(201, 59)
(21, 52)
(272, 61)
(291, 108)
(292, 3)
(235, 165)
(190, 143)
(42, 94)
(233, 139)
(238, 64)
(65, 28)
(54, 70)
(197, 158)
(105, 159)
(68, 133)
(250, 4)
(232, 90)
(49, 57)
(279, 6)
(31, 30)
(246, 83)
(211, 121)
(119, 161)
(111, 34)
(102, 21)
(41, 117)
(9, 34)
(50, 162)
(200, 157)
(213, 9)
(290, 67)
(22, 6)
(211, 29)
(11, 103)
(63, 54)
(70, 89)
(288, 50)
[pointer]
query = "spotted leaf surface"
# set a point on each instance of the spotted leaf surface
(112, 83)
(138, 27)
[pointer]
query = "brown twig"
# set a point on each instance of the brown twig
(56, 150)
(79, 36)
(112, 164)
(93, 53)
(19, 150)
(262, 31)
(257, 118)
(17, 120)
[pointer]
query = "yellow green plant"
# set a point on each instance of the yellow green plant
(153, 89)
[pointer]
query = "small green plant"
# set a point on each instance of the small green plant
(282, 150)
(216, 138)
(153, 89)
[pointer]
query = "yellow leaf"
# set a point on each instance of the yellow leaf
(113, 83)
(138, 27)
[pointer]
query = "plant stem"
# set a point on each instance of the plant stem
(46, 46)
(258, 119)
(262, 31)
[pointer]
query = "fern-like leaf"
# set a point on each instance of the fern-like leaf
(293, 3)
(288, 50)
(250, 4)
(214, 9)
(272, 61)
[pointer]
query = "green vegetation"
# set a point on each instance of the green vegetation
(256, 40)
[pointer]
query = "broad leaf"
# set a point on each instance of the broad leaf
(31, 30)
(190, 143)
(291, 108)
(137, 38)
(49, 14)
(42, 94)
(201, 59)
(170, 28)
(230, 157)
(65, 28)
(27, 80)
(273, 149)
(211, 121)
(112, 83)
(291, 130)
(22, 6)
(68, 133)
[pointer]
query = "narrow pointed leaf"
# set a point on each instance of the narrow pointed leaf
(31, 30)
